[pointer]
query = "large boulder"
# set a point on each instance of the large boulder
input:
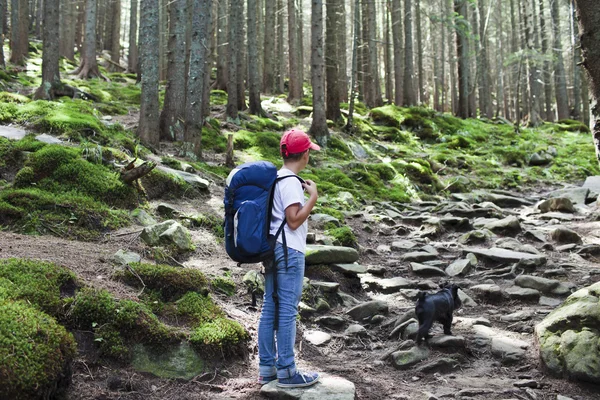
(569, 337)
(316, 254)
(179, 361)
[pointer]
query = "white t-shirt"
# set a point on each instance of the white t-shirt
(287, 192)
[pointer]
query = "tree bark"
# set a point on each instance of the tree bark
(589, 29)
(148, 129)
(375, 84)
(354, 72)
(269, 48)
(222, 45)
(194, 119)
(397, 28)
(562, 100)
(546, 72)
(100, 23)
(210, 61)
(19, 39)
(2, 22)
(80, 26)
(409, 69)
(534, 94)
(332, 60)
(115, 46)
(88, 68)
(132, 59)
(462, 50)
(232, 81)
(253, 71)
(485, 97)
(341, 51)
(389, 82)
(576, 113)
(280, 65)
(51, 55)
(420, 72)
(242, 69)
(295, 85)
(173, 114)
(318, 128)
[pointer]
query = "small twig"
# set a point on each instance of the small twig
(137, 276)
(127, 233)
(88, 368)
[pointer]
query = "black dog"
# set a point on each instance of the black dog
(436, 307)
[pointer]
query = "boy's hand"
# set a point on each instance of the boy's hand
(310, 187)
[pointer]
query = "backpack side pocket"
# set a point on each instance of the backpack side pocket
(249, 228)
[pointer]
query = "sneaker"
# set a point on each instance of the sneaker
(263, 380)
(301, 379)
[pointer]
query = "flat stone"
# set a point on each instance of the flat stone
(440, 365)
(330, 321)
(459, 268)
(505, 256)
(466, 300)
(319, 254)
(418, 256)
(477, 236)
(326, 287)
(520, 293)
(562, 204)
(447, 341)
(383, 248)
(489, 292)
(426, 270)
(508, 350)
(385, 285)
(368, 309)
(124, 257)
(48, 139)
(143, 218)
(180, 361)
(192, 179)
(318, 338)
(356, 330)
(513, 244)
(558, 216)
(329, 387)
(576, 195)
(517, 316)
(403, 359)
(549, 301)
(565, 235)
(321, 220)
(13, 133)
(544, 285)
(349, 269)
(508, 225)
(535, 234)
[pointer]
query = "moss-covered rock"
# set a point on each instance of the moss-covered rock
(159, 184)
(569, 125)
(222, 335)
(223, 284)
(343, 236)
(35, 353)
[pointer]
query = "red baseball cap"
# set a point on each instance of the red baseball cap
(295, 141)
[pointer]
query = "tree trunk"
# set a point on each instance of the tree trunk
(173, 114)
(452, 56)
(332, 61)
(409, 69)
(341, 51)
(2, 22)
(269, 48)
(300, 32)
(420, 72)
(355, 34)
(318, 128)
(232, 81)
(115, 48)
(444, 93)
(210, 61)
(80, 27)
(222, 45)
(132, 59)
(397, 28)
(108, 21)
(389, 82)
(38, 26)
(589, 28)
(485, 97)
(148, 129)
(253, 72)
(19, 39)
(576, 114)
(546, 72)
(162, 36)
(377, 101)
(562, 100)
(280, 65)
(514, 48)
(534, 93)
(88, 68)
(242, 70)
(462, 51)
(50, 56)
(295, 85)
(194, 120)
(100, 23)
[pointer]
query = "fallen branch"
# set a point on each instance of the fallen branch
(131, 173)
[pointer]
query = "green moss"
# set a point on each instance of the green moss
(211, 222)
(198, 308)
(219, 335)
(343, 236)
(223, 284)
(35, 353)
(40, 284)
(8, 97)
(338, 149)
(569, 125)
(212, 139)
(171, 163)
(359, 107)
(262, 145)
(162, 185)
(259, 124)
(218, 97)
(329, 211)
(171, 282)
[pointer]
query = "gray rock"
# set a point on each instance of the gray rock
(520, 293)
(179, 361)
(12, 133)
(318, 338)
(254, 281)
(447, 341)
(410, 331)
(549, 301)
(404, 359)
(544, 285)
(192, 179)
(459, 268)
(466, 300)
(169, 233)
(383, 248)
(320, 220)
(568, 337)
(541, 158)
(473, 392)
(347, 300)
(329, 387)
(426, 270)
(418, 256)
(166, 210)
(576, 195)
(143, 218)
(325, 287)
(440, 365)
(536, 235)
(123, 257)
(503, 200)
(331, 321)
(505, 256)
(356, 330)
(557, 217)
(488, 292)
(562, 204)
(508, 350)
(566, 247)
(477, 236)
(565, 235)
(317, 254)
(517, 316)
(506, 226)
(367, 310)
(515, 245)
(349, 269)
(385, 285)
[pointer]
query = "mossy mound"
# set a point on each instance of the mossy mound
(258, 124)
(218, 97)
(35, 353)
(223, 284)
(210, 222)
(8, 97)
(170, 282)
(343, 236)
(221, 335)
(259, 145)
(569, 125)
(161, 185)
(415, 119)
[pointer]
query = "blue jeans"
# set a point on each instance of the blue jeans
(276, 349)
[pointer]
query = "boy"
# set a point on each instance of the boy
(276, 344)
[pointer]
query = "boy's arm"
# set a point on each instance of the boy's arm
(295, 215)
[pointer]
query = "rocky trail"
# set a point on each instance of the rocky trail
(515, 256)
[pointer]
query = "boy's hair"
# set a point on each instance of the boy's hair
(291, 156)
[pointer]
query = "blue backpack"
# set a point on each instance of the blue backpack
(248, 203)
